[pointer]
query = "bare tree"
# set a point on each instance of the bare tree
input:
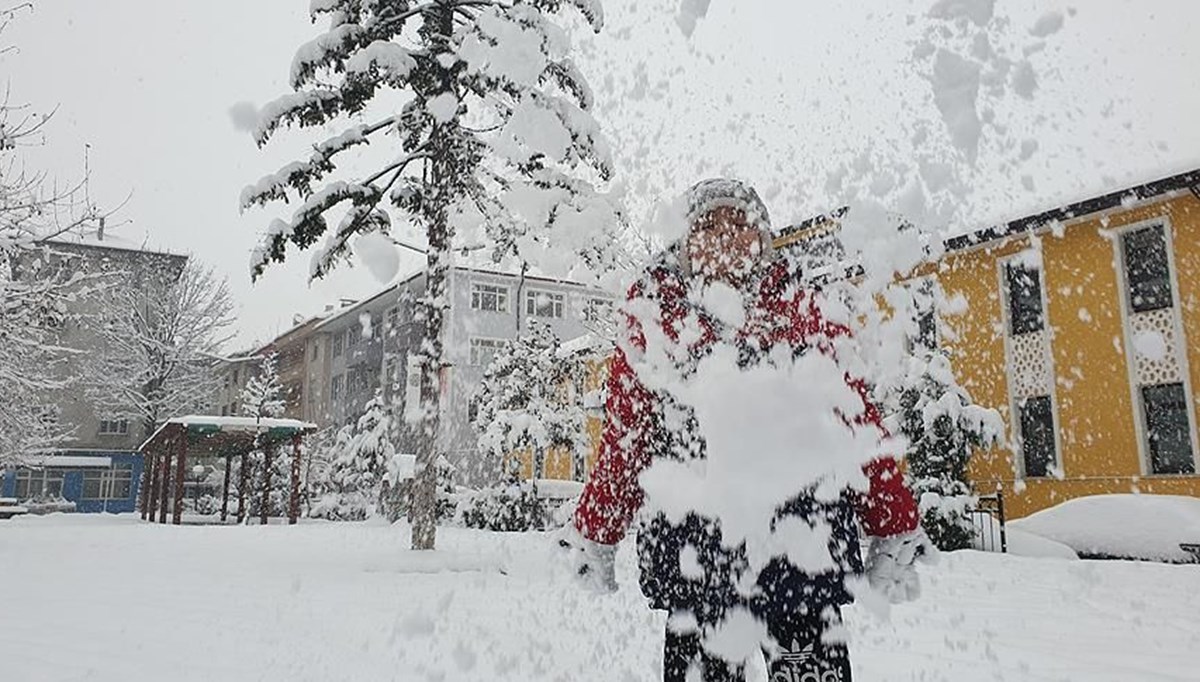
(35, 287)
(159, 339)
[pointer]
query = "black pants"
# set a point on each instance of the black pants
(803, 658)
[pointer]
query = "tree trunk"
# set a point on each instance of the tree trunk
(243, 481)
(225, 488)
(294, 488)
(268, 463)
(423, 507)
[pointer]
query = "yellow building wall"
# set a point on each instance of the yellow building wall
(1096, 412)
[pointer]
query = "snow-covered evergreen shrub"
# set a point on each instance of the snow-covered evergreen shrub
(943, 427)
(527, 402)
(512, 506)
(358, 469)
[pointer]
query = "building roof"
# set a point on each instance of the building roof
(1187, 181)
(93, 240)
(209, 435)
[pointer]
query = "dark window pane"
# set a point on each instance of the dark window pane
(1037, 435)
(1168, 429)
(92, 480)
(1147, 269)
(1024, 299)
(927, 328)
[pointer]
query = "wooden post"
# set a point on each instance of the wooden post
(164, 483)
(243, 481)
(265, 507)
(154, 486)
(144, 497)
(294, 497)
(180, 470)
(225, 487)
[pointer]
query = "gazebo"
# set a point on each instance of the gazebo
(228, 437)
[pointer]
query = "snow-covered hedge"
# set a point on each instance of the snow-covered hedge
(1149, 527)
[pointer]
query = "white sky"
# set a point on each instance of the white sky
(775, 91)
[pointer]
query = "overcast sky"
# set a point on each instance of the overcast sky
(775, 91)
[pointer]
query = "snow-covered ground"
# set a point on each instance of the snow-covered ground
(111, 599)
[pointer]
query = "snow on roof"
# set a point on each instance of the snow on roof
(69, 461)
(556, 489)
(107, 240)
(582, 344)
(241, 423)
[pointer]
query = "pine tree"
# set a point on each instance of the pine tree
(527, 401)
(360, 464)
(262, 398)
(943, 427)
(492, 144)
(263, 393)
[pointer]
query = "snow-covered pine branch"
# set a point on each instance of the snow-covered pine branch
(262, 396)
(494, 144)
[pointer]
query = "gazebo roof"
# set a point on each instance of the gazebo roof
(213, 435)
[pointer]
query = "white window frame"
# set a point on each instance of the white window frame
(479, 290)
(121, 427)
(109, 479)
(477, 343)
(1135, 388)
(558, 303)
(592, 304)
(1058, 468)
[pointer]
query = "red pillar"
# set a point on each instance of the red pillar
(243, 481)
(265, 507)
(225, 487)
(152, 504)
(294, 497)
(144, 496)
(164, 484)
(180, 469)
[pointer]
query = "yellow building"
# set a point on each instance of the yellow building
(1080, 330)
(1089, 355)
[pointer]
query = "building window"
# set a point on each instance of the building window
(1168, 429)
(335, 389)
(597, 310)
(543, 304)
(337, 345)
(108, 484)
(483, 350)
(39, 484)
(489, 297)
(114, 426)
(316, 351)
(1025, 313)
(1147, 268)
(393, 320)
(353, 336)
(1037, 435)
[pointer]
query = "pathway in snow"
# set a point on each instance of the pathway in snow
(112, 599)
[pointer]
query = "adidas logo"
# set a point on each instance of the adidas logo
(801, 664)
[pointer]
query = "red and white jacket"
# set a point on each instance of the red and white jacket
(613, 496)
